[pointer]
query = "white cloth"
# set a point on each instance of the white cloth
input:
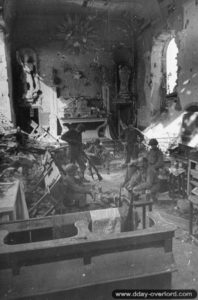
(106, 221)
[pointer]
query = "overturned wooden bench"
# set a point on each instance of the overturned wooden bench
(61, 257)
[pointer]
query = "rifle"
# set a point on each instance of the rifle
(69, 140)
(85, 155)
(93, 166)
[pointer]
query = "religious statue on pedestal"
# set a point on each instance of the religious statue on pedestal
(27, 59)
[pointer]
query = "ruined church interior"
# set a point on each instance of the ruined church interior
(98, 149)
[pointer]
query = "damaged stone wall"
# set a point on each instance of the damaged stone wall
(6, 23)
(188, 53)
(179, 19)
(75, 47)
(170, 126)
(75, 55)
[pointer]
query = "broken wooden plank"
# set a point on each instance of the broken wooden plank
(35, 206)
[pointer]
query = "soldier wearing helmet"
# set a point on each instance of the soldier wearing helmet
(155, 155)
(153, 142)
(149, 166)
(70, 169)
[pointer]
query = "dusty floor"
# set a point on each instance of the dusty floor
(184, 248)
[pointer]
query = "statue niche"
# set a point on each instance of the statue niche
(27, 59)
(124, 76)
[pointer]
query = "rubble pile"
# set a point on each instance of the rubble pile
(5, 124)
(32, 174)
(24, 162)
(28, 168)
(24, 167)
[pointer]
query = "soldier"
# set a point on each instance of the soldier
(149, 164)
(155, 155)
(148, 179)
(76, 191)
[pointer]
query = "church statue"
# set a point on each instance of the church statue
(27, 59)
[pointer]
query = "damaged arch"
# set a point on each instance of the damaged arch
(159, 90)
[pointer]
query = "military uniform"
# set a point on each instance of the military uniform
(155, 158)
(76, 192)
(149, 173)
(149, 181)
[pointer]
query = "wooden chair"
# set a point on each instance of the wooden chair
(144, 202)
(51, 176)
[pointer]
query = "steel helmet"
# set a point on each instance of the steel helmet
(153, 142)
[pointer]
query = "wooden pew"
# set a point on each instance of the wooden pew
(135, 259)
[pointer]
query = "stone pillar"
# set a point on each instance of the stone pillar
(6, 104)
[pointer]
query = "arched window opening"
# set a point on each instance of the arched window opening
(171, 67)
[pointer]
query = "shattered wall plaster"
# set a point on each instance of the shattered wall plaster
(183, 23)
(79, 73)
(72, 71)
(188, 53)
